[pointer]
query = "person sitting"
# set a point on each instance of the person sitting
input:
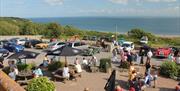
(37, 72)
(148, 79)
(93, 61)
(12, 74)
(85, 63)
(45, 63)
(178, 87)
(118, 88)
(78, 68)
(66, 72)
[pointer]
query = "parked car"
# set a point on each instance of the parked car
(86, 38)
(55, 45)
(13, 47)
(127, 46)
(144, 40)
(4, 52)
(163, 52)
(107, 39)
(41, 45)
(93, 38)
(78, 45)
(31, 43)
(18, 41)
(2, 42)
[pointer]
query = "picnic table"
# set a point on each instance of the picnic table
(72, 71)
(24, 76)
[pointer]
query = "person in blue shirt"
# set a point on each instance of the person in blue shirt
(37, 72)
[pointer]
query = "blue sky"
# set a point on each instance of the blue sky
(74, 8)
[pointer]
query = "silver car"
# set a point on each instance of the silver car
(55, 45)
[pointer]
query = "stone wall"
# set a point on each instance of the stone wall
(7, 84)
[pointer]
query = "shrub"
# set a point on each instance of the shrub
(105, 63)
(125, 65)
(25, 66)
(169, 69)
(41, 84)
(178, 68)
(55, 65)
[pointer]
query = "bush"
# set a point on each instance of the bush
(169, 69)
(125, 65)
(41, 84)
(55, 65)
(25, 66)
(105, 64)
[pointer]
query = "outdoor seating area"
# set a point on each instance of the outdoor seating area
(67, 65)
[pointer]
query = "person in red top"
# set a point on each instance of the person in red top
(132, 89)
(178, 87)
(118, 88)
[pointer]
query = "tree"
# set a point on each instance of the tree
(138, 33)
(53, 30)
(8, 28)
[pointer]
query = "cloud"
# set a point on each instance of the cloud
(119, 1)
(54, 2)
(168, 1)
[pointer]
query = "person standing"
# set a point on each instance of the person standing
(114, 52)
(148, 67)
(149, 55)
(141, 54)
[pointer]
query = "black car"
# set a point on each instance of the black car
(4, 52)
(31, 43)
(2, 42)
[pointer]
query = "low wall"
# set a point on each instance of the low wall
(23, 36)
(7, 84)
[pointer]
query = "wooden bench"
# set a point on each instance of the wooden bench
(94, 69)
(58, 75)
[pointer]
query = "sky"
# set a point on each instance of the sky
(97, 8)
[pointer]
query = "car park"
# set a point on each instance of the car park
(31, 43)
(163, 52)
(127, 46)
(55, 45)
(13, 47)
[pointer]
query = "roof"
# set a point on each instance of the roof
(127, 42)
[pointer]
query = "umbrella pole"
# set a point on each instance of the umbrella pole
(65, 60)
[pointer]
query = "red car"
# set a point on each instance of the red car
(163, 52)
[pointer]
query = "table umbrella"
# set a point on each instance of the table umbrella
(65, 51)
(24, 55)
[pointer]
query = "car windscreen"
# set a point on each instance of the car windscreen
(52, 44)
(126, 45)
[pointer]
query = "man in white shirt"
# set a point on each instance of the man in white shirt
(149, 55)
(85, 62)
(78, 68)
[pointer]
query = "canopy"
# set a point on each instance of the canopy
(24, 55)
(65, 51)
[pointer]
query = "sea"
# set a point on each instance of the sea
(158, 26)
